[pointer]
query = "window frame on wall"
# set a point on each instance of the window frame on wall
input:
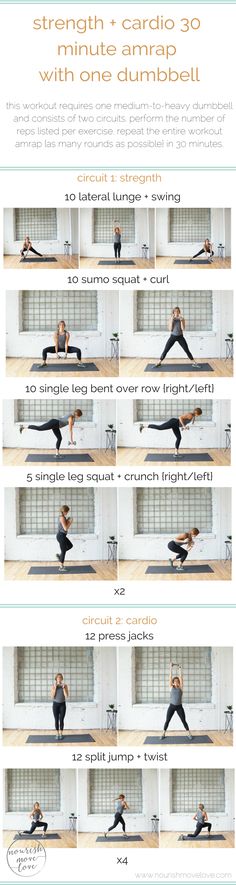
(152, 310)
(199, 230)
(214, 798)
(127, 781)
(26, 224)
(39, 778)
(36, 667)
(161, 410)
(108, 229)
(150, 671)
(57, 305)
(43, 410)
(42, 501)
(171, 497)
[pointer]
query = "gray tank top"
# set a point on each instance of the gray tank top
(176, 328)
(63, 421)
(59, 696)
(176, 696)
(117, 238)
(60, 528)
(200, 816)
(36, 816)
(62, 341)
(119, 806)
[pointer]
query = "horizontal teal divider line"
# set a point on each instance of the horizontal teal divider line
(117, 605)
(100, 169)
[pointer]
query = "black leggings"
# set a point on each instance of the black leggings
(70, 349)
(171, 424)
(59, 712)
(202, 253)
(181, 553)
(39, 823)
(180, 712)
(65, 545)
(53, 425)
(118, 819)
(200, 827)
(30, 249)
(180, 340)
(117, 249)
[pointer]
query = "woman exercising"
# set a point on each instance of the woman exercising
(176, 326)
(59, 694)
(64, 524)
(175, 424)
(187, 538)
(120, 807)
(55, 424)
(37, 821)
(202, 821)
(117, 242)
(27, 247)
(207, 250)
(61, 344)
(175, 706)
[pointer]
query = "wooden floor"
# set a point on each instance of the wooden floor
(18, 367)
(135, 367)
(18, 571)
(134, 570)
(88, 840)
(167, 261)
(17, 458)
(131, 457)
(120, 268)
(67, 839)
(63, 262)
(137, 738)
(17, 737)
(170, 840)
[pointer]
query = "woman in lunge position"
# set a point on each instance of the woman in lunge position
(176, 684)
(187, 539)
(61, 344)
(176, 328)
(120, 807)
(37, 821)
(56, 424)
(27, 247)
(64, 524)
(202, 821)
(59, 695)
(207, 250)
(175, 424)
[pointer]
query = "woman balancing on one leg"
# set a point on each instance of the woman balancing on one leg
(176, 546)
(56, 424)
(202, 821)
(27, 247)
(207, 250)
(176, 327)
(176, 684)
(64, 524)
(175, 424)
(59, 694)
(117, 241)
(120, 807)
(61, 344)
(37, 821)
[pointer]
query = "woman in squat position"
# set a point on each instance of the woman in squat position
(176, 546)
(61, 344)
(175, 424)
(59, 694)
(64, 524)
(56, 424)
(120, 807)
(207, 250)
(176, 326)
(27, 247)
(176, 684)
(37, 821)
(202, 821)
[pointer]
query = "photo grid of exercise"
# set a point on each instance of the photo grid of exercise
(117, 678)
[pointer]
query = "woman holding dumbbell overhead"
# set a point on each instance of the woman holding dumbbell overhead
(176, 684)
(56, 424)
